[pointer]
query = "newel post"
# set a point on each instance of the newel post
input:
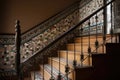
(17, 45)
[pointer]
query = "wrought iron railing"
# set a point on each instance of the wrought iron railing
(71, 34)
(74, 31)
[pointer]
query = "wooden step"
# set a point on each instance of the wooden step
(85, 39)
(47, 72)
(93, 39)
(77, 47)
(87, 61)
(55, 62)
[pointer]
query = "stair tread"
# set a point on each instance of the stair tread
(77, 52)
(70, 62)
(94, 36)
(63, 61)
(80, 43)
(86, 38)
(47, 67)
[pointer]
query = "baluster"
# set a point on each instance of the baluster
(82, 55)
(59, 74)
(89, 47)
(96, 42)
(67, 68)
(17, 44)
(52, 77)
(104, 42)
(104, 28)
(74, 61)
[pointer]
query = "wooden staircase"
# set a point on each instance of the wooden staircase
(99, 66)
(93, 63)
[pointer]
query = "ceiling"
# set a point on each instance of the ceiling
(29, 12)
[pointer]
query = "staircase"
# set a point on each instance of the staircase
(98, 66)
(72, 49)
(75, 56)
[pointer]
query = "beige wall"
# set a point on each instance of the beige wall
(29, 12)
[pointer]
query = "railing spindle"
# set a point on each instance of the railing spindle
(89, 47)
(81, 55)
(74, 61)
(59, 74)
(96, 42)
(67, 68)
(52, 77)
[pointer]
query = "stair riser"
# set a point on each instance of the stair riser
(71, 57)
(73, 47)
(86, 40)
